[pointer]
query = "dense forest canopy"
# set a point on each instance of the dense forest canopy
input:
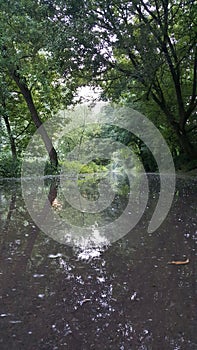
(140, 53)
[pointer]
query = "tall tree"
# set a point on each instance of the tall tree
(26, 62)
(147, 48)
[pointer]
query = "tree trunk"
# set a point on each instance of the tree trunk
(184, 141)
(187, 147)
(11, 138)
(36, 119)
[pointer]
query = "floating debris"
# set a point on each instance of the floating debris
(179, 262)
(81, 302)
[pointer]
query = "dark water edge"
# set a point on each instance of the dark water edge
(124, 296)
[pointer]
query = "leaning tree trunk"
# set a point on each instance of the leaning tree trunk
(35, 117)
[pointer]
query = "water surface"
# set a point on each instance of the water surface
(122, 296)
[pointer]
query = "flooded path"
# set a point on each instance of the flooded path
(125, 296)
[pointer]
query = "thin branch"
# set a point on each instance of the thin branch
(22, 132)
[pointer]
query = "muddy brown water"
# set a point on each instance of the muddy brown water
(124, 296)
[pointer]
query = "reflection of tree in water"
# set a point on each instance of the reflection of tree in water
(22, 246)
(5, 225)
(128, 297)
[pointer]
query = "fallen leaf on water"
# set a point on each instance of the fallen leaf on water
(179, 262)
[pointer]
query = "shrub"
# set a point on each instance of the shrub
(10, 167)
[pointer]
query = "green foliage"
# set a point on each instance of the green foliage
(10, 167)
(25, 52)
(76, 167)
(92, 167)
(142, 50)
(50, 169)
(141, 53)
(183, 164)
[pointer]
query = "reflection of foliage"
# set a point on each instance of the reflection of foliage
(105, 286)
(88, 188)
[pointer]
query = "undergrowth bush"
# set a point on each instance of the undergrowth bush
(10, 167)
